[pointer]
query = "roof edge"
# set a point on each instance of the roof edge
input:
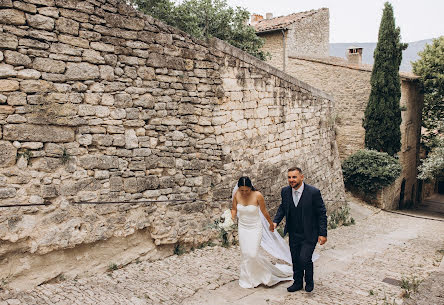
(402, 75)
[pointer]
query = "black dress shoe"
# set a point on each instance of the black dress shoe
(309, 287)
(294, 287)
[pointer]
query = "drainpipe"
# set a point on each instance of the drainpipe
(283, 50)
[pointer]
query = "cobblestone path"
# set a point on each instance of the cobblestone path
(360, 264)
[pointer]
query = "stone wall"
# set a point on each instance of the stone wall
(99, 103)
(350, 86)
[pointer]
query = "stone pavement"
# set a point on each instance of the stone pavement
(360, 264)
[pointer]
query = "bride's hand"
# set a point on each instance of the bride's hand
(272, 227)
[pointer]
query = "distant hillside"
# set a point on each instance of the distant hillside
(409, 55)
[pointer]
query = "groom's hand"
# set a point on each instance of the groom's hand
(322, 240)
(275, 225)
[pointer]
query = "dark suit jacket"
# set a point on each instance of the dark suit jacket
(314, 214)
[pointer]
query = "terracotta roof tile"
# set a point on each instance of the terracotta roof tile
(282, 22)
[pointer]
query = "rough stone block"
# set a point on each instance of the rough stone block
(42, 2)
(49, 65)
(43, 35)
(101, 174)
(8, 85)
(40, 22)
(82, 71)
(53, 150)
(5, 3)
(107, 73)
(15, 119)
(98, 162)
(7, 192)
(65, 25)
(116, 184)
(34, 44)
(48, 191)
(145, 101)
(100, 46)
(49, 11)
(115, 20)
(102, 139)
(8, 41)
(146, 73)
(141, 152)
(167, 182)
(131, 140)
(68, 188)
(12, 16)
(8, 154)
(84, 139)
(30, 86)
(29, 74)
(166, 162)
(38, 133)
(93, 56)
(4, 109)
(27, 7)
(74, 41)
(87, 110)
(7, 71)
(17, 59)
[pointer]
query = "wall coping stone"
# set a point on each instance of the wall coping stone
(227, 48)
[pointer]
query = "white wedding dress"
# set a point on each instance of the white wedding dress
(255, 269)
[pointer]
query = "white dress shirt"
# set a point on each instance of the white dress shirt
(297, 194)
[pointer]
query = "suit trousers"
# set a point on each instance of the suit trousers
(301, 256)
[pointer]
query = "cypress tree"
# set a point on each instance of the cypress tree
(383, 114)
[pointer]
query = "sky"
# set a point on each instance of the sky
(358, 20)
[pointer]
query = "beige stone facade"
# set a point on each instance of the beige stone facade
(274, 45)
(350, 86)
(299, 34)
(99, 103)
(305, 56)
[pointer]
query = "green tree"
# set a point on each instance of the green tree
(206, 19)
(430, 67)
(160, 9)
(383, 114)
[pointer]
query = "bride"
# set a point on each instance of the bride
(256, 229)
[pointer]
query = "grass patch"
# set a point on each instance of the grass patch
(179, 249)
(409, 286)
(340, 217)
(112, 267)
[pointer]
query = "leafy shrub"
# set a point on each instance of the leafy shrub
(369, 171)
(433, 166)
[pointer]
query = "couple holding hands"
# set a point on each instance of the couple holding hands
(306, 224)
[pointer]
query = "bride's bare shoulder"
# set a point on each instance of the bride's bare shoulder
(258, 194)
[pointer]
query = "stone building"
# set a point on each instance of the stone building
(304, 33)
(100, 104)
(350, 86)
(348, 81)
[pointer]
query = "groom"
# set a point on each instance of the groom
(306, 224)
